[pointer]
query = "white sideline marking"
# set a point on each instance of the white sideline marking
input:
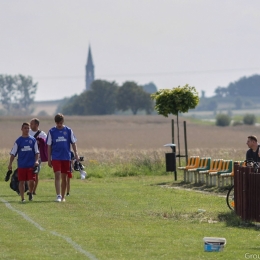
(75, 245)
(67, 239)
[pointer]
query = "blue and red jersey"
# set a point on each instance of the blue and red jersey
(25, 148)
(60, 141)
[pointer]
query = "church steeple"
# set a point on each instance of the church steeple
(90, 77)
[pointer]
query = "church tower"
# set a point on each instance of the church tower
(90, 77)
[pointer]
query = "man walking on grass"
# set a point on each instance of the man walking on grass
(27, 150)
(59, 140)
(40, 136)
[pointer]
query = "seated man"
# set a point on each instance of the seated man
(253, 153)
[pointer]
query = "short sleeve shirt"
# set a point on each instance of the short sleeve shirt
(42, 134)
(60, 141)
(25, 148)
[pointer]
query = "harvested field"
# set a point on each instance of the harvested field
(139, 134)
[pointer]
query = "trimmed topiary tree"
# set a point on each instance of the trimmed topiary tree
(175, 101)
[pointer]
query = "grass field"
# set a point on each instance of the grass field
(128, 207)
(120, 218)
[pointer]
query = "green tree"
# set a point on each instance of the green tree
(132, 96)
(176, 100)
(221, 92)
(244, 87)
(76, 105)
(7, 91)
(150, 88)
(17, 93)
(100, 100)
(26, 91)
(63, 102)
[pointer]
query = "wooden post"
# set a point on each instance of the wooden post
(174, 150)
(185, 141)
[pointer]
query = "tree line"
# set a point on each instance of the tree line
(245, 86)
(239, 94)
(17, 94)
(106, 98)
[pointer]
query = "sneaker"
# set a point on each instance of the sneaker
(63, 200)
(23, 200)
(67, 194)
(58, 199)
(30, 196)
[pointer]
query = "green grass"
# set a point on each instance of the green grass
(121, 218)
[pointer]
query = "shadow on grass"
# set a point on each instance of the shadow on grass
(162, 184)
(196, 187)
(230, 217)
(233, 220)
(29, 202)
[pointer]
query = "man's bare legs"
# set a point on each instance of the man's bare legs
(68, 186)
(21, 189)
(57, 182)
(63, 185)
(35, 184)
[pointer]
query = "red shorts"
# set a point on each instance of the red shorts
(26, 174)
(61, 166)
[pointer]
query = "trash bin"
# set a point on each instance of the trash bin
(170, 159)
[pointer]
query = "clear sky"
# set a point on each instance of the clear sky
(203, 43)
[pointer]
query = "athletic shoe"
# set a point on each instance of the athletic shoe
(58, 199)
(67, 194)
(23, 201)
(63, 200)
(30, 196)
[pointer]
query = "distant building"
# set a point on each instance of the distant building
(90, 76)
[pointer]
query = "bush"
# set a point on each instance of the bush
(249, 119)
(223, 120)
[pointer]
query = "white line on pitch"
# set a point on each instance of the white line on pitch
(67, 239)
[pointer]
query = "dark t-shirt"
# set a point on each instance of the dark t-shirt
(250, 154)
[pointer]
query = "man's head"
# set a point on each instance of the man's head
(34, 124)
(252, 141)
(59, 120)
(25, 129)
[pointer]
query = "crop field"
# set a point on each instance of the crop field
(128, 207)
(132, 134)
